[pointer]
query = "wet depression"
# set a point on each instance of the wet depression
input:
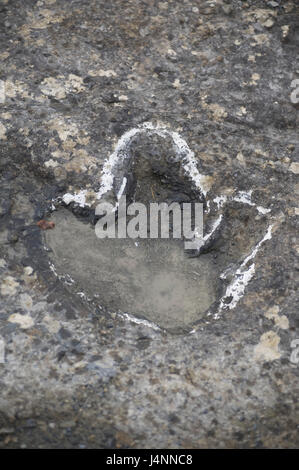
(151, 279)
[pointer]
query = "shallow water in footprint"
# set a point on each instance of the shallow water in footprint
(151, 279)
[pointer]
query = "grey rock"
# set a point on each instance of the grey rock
(78, 75)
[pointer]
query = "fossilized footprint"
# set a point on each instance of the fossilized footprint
(154, 280)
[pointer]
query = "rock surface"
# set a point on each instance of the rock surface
(74, 77)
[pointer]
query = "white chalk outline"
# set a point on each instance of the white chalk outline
(120, 153)
(242, 277)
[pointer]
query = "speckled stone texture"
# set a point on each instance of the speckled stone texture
(75, 75)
